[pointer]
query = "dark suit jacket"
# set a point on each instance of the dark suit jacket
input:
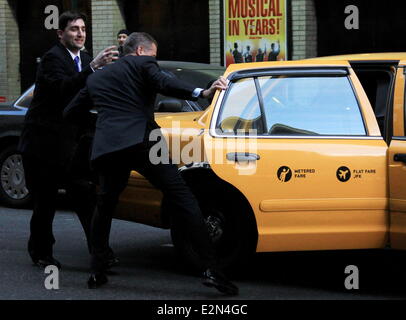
(124, 95)
(45, 135)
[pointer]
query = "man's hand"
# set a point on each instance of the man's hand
(104, 57)
(219, 84)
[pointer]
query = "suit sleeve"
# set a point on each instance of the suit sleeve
(54, 73)
(78, 110)
(164, 83)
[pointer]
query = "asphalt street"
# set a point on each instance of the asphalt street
(150, 269)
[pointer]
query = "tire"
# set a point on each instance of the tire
(231, 228)
(13, 190)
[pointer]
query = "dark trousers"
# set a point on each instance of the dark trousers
(114, 170)
(43, 180)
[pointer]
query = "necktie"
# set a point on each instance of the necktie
(76, 60)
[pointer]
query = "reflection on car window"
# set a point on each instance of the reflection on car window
(241, 111)
(199, 78)
(319, 105)
(294, 106)
(25, 99)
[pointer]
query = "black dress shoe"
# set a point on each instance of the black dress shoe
(46, 261)
(213, 278)
(96, 280)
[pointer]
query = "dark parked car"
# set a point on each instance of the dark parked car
(13, 191)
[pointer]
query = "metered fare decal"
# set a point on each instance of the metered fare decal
(285, 173)
(344, 174)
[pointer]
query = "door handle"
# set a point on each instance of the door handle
(400, 157)
(242, 156)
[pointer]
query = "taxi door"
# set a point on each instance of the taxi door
(397, 165)
(316, 172)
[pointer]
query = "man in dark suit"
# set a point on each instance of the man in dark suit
(124, 94)
(238, 58)
(260, 55)
(47, 143)
(273, 54)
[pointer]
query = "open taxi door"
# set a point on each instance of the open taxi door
(397, 164)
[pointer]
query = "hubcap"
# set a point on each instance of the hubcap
(12, 178)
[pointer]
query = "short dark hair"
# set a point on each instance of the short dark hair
(123, 31)
(69, 16)
(137, 39)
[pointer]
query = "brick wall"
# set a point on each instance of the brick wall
(304, 29)
(107, 20)
(215, 29)
(9, 52)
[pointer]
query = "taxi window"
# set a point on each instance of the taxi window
(301, 105)
(241, 112)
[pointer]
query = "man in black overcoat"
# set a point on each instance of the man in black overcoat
(124, 95)
(48, 144)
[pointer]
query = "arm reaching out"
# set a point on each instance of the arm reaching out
(104, 57)
(219, 84)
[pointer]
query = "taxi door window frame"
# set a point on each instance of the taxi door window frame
(215, 131)
(379, 66)
(404, 103)
(390, 136)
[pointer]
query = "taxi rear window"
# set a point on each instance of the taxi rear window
(291, 105)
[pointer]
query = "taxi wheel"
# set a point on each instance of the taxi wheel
(13, 190)
(230, 229)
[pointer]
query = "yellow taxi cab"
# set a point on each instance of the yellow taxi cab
(293, 156)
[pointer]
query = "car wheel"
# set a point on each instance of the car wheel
(230, 230)
(13, 190)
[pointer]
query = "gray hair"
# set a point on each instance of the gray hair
(137, 39)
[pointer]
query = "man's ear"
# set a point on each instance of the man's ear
(139, 51)
(59, 33)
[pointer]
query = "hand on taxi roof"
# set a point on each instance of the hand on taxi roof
(219, 84)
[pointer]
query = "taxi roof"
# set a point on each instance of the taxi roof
(379, 56)
(291, 64)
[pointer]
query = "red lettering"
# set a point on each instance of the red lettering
(258, 29)
(233, 28)
(247, 26)
(244, 8)
(254, 8)
(278, 25)
(264, 12)
(274, 8)
(271, 26)
(278, 6)
(234, 8)
(265, 26)
(252, 11)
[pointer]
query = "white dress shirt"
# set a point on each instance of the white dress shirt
(73, 58)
